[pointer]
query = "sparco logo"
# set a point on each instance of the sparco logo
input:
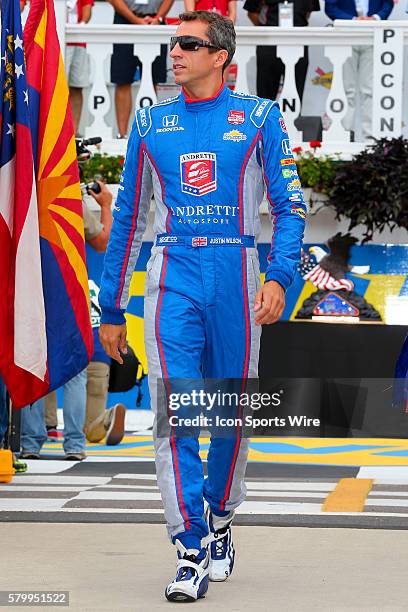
(167, 239)
(261, 108)
(198, 173)
(142, 115)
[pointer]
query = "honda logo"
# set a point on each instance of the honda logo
(286, 148)
(170, 120)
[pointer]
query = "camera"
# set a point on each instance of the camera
(83, 154)
(96, 188)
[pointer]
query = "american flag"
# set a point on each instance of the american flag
(313, 272)
(22, 312)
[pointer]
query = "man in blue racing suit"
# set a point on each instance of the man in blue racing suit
(209, 155)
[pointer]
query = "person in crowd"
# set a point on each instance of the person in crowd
(124, 63)
(97, 231)
(34, 431)
(358, 69)
(76, 58)
(18, 465)
(204, 305)
(270, 68)
(99, 422)
(228, 8)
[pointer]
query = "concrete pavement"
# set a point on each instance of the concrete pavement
(279, 495)
(115, 567)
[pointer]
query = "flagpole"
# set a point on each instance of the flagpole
(8, 430)
(13, 431)
(60, 7)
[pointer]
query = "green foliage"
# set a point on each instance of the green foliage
(372, 190)
(108, 167)
(316, 171)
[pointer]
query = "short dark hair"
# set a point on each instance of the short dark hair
(220, 31)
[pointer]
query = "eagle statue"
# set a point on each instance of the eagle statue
(328, 270)
(335, 293)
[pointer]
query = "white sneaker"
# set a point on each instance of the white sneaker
(191, 581)
(222, 552)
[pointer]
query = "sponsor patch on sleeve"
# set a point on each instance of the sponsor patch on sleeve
(298, 210)
(283, 125)
(236, 117)
(288, 161)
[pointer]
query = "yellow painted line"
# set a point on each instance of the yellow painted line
(381, 288)
(349, 495)
(308, 289)
(339, 451)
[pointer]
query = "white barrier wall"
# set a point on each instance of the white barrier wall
(319, 99)
(324, 42)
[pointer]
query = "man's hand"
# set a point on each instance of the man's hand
(152, 20)
(269, 303)
(113, 340)
(122, 8)
(104, 197)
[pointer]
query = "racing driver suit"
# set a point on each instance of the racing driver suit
(209, 163)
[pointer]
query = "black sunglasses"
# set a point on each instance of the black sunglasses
(190, 43)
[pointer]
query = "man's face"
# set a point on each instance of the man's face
(189, 66)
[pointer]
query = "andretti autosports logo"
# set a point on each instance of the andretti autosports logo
(198, 173)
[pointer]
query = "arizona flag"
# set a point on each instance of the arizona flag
(45, 331)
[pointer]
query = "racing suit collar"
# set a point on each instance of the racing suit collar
(205, 103)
